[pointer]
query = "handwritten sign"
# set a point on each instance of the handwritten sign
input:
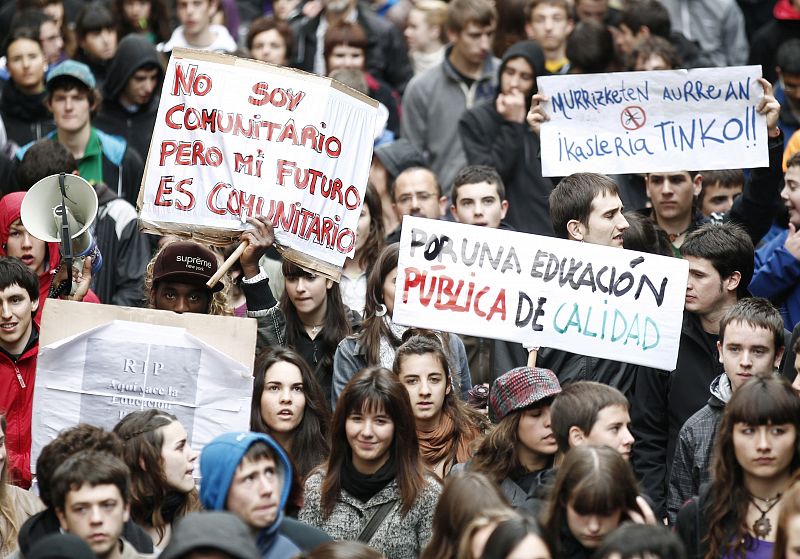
(97, 369)
(235, 138)
(639, 122)
(540, 291)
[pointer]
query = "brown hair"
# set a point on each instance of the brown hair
(463, 12)
(140, 432)
(264, 24)
(377, 235)
(763, 400)
(345, 34)
(370, 389)
(374, 327)
(578, 405)
(573, 198)
(592, 480)
(310, 445)
(487, 518)
(531, 5)
(465, 496)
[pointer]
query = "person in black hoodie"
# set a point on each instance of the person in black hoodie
(22, 107)
(513, 149)
(96, 32)
(131, 93)
(69, 442)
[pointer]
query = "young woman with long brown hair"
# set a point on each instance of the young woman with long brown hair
(755, 457)
(374, 471)
(446, 426)
(161, 460)
(289, 405)
(369, 243)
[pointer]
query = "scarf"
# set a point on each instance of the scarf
(28, 108)
(387, 349)
(439, 444)
(365, 486)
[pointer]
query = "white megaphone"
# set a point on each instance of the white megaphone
(42, 215)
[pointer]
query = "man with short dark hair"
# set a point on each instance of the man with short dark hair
(720, 257)
(751, 343)
(91, 492)
(587, 412)
(718, 190)
(549, 23)
(83, 437)
(249, 475)
(435, 100)
(131, 95)
(479, 197)
(102, 158)
(19, 345)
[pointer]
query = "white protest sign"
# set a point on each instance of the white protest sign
(234, 138)
(103, 373)
(639, 122)
(589, 299)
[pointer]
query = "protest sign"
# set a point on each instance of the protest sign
(235, 138)
(589, 299)
(639, 122)
(97, 363)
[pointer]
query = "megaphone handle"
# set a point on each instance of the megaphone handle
(227, 265)
(66, 238)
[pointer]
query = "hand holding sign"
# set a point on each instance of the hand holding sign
(258, 241)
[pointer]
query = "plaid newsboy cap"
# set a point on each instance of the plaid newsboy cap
(520, 388)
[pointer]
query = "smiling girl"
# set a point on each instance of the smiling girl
(374, 471)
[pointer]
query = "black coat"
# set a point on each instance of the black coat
(25, 116)
(135, 126)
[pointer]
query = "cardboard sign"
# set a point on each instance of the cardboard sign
(97, 363)
(588, 299)
(235, 138)
(639, 122)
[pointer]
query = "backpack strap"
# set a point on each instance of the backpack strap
(375, 521)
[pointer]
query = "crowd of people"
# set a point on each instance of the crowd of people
(369, 439)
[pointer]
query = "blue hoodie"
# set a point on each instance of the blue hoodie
(218, 463)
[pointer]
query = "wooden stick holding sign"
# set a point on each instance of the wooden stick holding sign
(532, 354)
(227, 265)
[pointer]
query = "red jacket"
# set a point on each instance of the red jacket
(16, 400)
(9, 213)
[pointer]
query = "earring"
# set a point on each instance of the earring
(381, 310)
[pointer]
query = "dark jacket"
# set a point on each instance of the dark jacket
(664, 401)
(25, 116)
(768, 39)
(125, 251)
(305, 536)
(691, 467)
(136, 125)
(46, 522)
(272, 332)
(387, 56)
(513, 149)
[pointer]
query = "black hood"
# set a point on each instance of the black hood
(531, 52)
(133, 52)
